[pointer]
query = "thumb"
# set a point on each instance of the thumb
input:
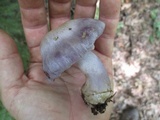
(11, 68)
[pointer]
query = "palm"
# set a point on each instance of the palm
(62, 99)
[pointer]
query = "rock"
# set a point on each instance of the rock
(130, 113)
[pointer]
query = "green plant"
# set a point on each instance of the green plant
(119, 27)
(11, 23)
(158, 1)
(155, 24)
(10, 18)
(97, 13)
(4, 115)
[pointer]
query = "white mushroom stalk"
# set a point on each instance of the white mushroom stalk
(72, 43)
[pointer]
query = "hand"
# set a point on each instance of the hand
(30, 97)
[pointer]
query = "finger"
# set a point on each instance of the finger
(109, 13)
(11, 67)
(34, 20)
(85, 8)
(59, 12)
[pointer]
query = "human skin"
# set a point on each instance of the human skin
(29, 97)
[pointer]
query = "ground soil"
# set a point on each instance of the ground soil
(137, 63)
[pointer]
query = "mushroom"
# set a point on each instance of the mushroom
(72, 43)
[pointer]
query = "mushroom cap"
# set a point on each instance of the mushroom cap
(63, 47)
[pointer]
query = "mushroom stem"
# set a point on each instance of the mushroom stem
(97, 89)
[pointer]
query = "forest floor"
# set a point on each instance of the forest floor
(136, 62)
